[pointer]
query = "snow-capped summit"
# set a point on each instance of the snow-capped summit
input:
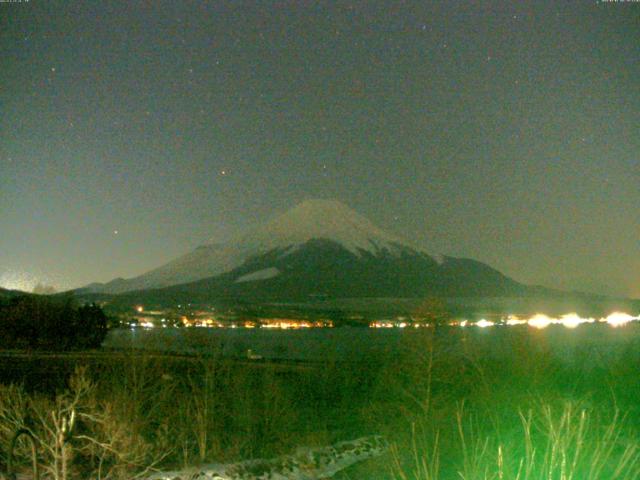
(321, 219)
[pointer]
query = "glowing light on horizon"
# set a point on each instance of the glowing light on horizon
(572, 320)
(540, 321)
(14, 280)
(619, 319)
(484, 323)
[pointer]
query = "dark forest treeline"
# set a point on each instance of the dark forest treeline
(33, 321)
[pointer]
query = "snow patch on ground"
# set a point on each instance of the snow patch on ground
(263, 274)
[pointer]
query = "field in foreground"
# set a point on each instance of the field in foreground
(467, 413)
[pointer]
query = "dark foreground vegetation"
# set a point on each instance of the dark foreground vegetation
(471, 414)
(41, 322)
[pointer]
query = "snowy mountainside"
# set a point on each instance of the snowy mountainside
(313, 219)
(323, 268)
(326, 219)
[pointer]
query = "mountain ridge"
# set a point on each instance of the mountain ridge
(311, 219)
(323, 268)
(317, 249)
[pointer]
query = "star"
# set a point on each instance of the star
(115, 232)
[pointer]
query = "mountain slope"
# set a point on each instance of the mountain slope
(326, 269)
(319, 249)
(312, 219)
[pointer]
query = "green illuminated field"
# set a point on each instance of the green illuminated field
(475, 411)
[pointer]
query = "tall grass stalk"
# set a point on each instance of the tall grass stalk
(554, 444)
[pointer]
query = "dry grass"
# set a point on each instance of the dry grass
(465, 414)
(525, 417)
(554, 443)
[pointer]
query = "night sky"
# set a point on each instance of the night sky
(131, 132)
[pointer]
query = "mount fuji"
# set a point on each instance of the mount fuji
(320, 248)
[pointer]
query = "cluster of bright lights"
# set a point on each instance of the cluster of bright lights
(395, 324)
(484, 323)
(540, 321)
(618, 319)
(286, 324)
